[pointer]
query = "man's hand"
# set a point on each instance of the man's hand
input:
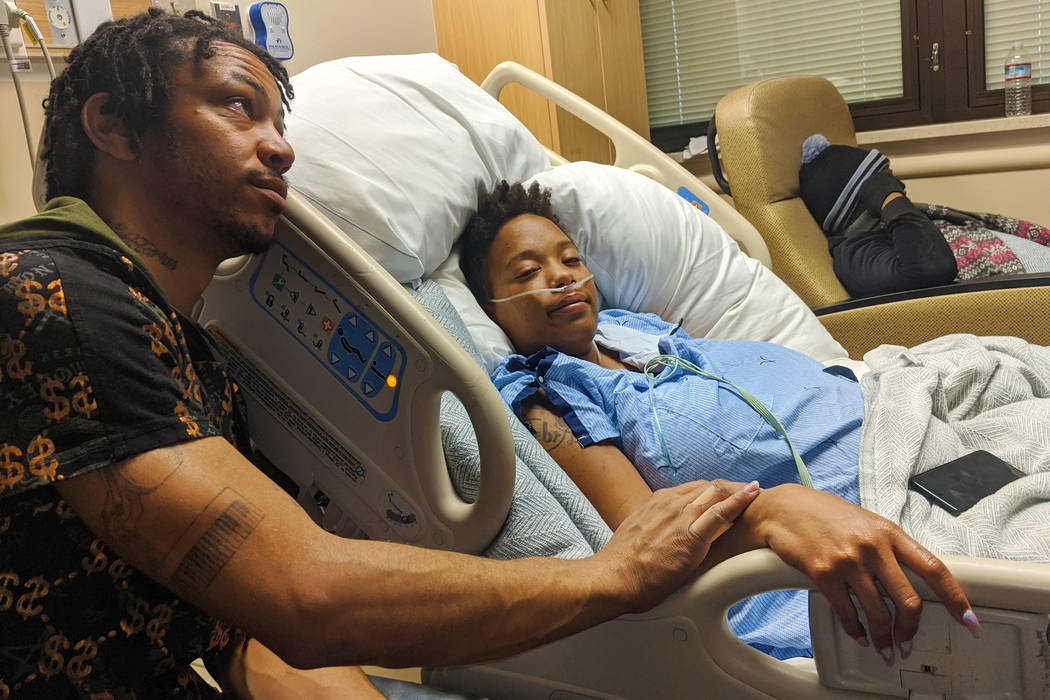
(662, 543)
(250, 671)
(848, 550)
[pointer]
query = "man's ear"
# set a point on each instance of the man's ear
(108, 132)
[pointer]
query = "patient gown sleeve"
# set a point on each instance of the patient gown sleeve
(578, 390)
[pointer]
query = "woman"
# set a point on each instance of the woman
(566, 376)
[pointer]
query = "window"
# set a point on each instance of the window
(897, 62)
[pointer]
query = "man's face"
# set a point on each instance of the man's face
(217, 162)
(531, 252)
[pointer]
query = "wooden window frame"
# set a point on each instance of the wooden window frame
(966, 96)
(914, 106)
(954, 92)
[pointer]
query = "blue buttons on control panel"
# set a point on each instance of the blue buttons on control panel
(361, 358)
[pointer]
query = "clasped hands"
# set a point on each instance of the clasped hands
(848, 552)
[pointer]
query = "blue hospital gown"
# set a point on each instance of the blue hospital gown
(711, 431)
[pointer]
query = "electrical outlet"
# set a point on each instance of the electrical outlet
(63, 24)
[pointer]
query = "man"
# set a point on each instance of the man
(134, 533)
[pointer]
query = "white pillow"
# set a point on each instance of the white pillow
(650, 250)
(396, 151)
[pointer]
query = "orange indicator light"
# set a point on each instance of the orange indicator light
(391, 381)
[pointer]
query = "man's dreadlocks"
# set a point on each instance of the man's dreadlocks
(132, 59)
(495, 209)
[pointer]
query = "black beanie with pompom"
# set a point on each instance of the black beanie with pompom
(831, 176)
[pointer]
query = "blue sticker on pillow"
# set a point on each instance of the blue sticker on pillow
(688, 196)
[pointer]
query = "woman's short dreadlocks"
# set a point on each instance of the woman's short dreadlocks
(495, 209)
(132, 59)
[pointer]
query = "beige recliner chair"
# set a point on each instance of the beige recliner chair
(761, 128)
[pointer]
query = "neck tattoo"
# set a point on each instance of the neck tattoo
(144, 247)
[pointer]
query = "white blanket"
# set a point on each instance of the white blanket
(930, 404)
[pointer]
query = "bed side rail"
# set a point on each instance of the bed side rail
(633, 152)
(684, 648)
(343, 372)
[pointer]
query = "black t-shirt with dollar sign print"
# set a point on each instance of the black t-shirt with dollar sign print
(95, 367)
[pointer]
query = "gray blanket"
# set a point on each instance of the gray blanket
(930, 404)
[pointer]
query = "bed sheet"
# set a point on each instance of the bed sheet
(945, 398)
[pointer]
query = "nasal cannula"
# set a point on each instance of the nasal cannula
(556, 290)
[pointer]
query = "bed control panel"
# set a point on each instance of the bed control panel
(342, 375)
(325, 374)
(350, 345)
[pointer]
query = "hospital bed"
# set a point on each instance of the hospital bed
(346, 379)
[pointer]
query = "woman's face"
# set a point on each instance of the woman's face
(531, 252)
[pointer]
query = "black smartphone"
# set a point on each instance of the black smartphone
(960, 483)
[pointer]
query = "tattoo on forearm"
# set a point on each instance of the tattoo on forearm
(145, 247)
(217, 545)
(552, 433)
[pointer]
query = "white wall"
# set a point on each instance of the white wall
(320, 30)
(15, 170)
(331, 29)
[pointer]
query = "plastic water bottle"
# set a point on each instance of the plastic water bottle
(1018, 88)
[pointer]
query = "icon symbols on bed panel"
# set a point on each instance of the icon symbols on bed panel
(349, 344)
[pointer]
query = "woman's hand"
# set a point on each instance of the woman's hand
(665, 540)
(845, 549)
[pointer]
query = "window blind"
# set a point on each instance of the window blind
(1007, 21)
(696, 51)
